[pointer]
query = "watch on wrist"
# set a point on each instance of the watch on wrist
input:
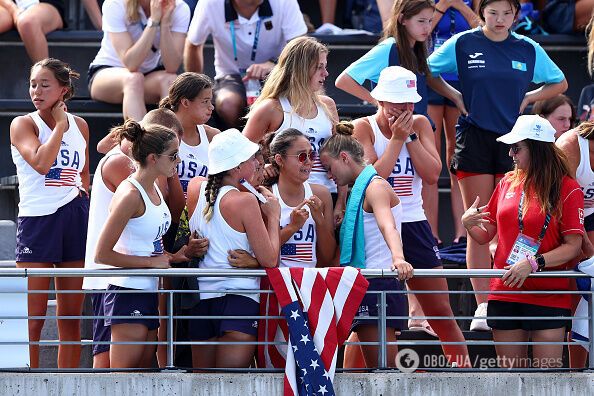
(540, 260)
(151, 23)
(411, 138)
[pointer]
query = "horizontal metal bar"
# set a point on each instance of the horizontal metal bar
(202, 272)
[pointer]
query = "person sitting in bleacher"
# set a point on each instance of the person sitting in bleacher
(248, 37)
(33, 19)
(140, 53)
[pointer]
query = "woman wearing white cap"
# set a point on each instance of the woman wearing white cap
(537, 210)
(231, 218)
(401, 147)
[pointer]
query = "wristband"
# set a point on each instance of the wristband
(440, 11)
(533, 263)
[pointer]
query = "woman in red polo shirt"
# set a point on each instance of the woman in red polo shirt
(537, 212)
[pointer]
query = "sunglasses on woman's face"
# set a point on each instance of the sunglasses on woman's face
(173, 157)
(515, 148)
(303, 156)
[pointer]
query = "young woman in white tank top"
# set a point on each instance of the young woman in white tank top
(342, 156)
(132, 238)
(401, 147)
(307, 231)
(292, 98)
(227, 215)
(50, 150)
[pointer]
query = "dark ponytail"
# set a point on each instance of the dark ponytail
(153, 139)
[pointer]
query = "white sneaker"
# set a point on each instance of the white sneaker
(478, 323)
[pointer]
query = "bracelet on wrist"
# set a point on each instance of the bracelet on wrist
(532, 263)
(440, 11)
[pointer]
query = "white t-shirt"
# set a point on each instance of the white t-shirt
(115, 21)
(281, 21)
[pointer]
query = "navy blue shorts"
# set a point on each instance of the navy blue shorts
(589, 223)
(419, 246)
(508, 308)
(133, 305)
(395, 304)
(101, 331)
(56, 238)
(227, 305)
(436, 99)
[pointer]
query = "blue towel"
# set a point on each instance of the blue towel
(352, 236)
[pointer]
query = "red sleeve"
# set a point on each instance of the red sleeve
(494, 201)
(572, 212)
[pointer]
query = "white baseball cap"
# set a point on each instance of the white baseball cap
(396, 85)
(228, 149)
(532, 127)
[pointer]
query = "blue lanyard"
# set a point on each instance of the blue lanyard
(256, 39)
(521, 221)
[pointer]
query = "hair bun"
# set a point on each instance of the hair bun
(345, 128)
(131, 130)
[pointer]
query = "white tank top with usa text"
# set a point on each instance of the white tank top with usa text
(42, 195)
(194, 160)
(143, 236)
(585, 176)
(404, 178)
(300, 248)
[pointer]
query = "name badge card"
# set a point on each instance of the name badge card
(523, 246)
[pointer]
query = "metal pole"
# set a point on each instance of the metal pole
(591, 331)
(170, 335)
(382, 359)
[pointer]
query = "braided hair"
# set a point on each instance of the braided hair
(213, 185)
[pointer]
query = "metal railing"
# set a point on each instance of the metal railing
(382, 317)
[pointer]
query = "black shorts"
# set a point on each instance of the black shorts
(230, 82)
(506, 308)
(93, 69)
(477, 151)
(589, 222)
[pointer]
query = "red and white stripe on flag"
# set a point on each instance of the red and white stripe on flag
(330, 296)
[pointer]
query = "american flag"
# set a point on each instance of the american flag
(402, 185)
(297, 251)
(319, 305)
(410, 83)
(158, 247)
(61, 177)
